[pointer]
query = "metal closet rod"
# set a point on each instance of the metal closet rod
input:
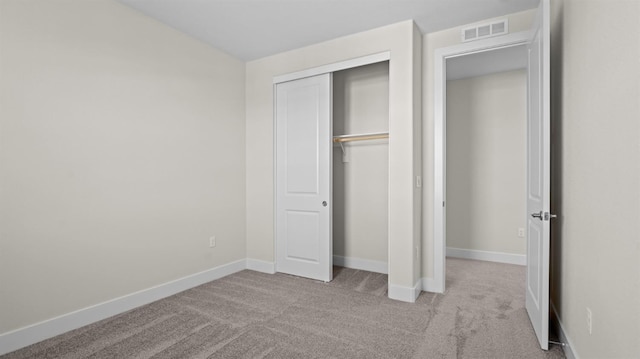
(362, 137)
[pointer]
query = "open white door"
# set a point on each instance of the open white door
(303, 177)
(538, 177)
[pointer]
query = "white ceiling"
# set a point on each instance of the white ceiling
(487, 62)
(251, 29)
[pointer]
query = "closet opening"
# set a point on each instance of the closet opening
(332, 169)
(486, 156)
(361, 168)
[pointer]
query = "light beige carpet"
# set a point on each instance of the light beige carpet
(256, 315)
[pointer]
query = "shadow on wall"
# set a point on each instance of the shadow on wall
(556, 157)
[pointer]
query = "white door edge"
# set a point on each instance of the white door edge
(538, 197)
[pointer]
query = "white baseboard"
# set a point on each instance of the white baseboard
(34, 333)
(261, 266)
(362, 264)
(568, 348)
(405, 294)
(500, 257)
(430, 285)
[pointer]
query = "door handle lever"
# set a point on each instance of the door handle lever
(543, 216)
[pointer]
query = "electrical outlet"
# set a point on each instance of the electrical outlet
(521, 232)
(212, 241)
(589, 320)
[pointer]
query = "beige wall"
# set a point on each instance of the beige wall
(121, 152)
(361, 185)
(400, 40)
(521, 21)
(486, 162)
(596, 174)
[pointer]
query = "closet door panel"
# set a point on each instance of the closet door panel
(301, 122)
(303, 177)
(302, 236)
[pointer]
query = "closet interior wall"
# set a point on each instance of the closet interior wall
(486, 163)
(361, 170)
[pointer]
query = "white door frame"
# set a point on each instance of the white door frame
(329, 68)
(439, 137)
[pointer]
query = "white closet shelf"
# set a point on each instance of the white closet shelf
(361, 137)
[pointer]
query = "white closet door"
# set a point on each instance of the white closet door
(303, 177)
(538, 178)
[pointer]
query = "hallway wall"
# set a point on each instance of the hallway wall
(486, 162)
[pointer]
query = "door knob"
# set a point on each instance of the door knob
(324, 203)
(537, 215)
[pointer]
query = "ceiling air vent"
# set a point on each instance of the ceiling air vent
(485, 30)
